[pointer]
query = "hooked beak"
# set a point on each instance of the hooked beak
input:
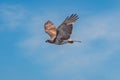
(46, 41)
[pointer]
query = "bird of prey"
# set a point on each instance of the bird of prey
(61, 35)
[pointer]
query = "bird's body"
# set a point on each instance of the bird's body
(61, 34)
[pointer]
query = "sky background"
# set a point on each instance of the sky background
(24, 55)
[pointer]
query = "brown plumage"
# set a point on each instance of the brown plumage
(51, 30)
(61, 34)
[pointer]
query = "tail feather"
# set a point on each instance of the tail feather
(77, 41)
(72, 41)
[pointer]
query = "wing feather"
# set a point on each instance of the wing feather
(65, 29)
(50, 29)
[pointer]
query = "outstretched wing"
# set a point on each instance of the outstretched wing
(50, 29)
(65, 29)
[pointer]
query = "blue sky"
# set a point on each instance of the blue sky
(24, 55)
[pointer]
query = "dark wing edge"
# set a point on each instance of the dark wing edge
(65, 29)
(70, 19)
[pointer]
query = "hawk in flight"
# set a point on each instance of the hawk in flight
(61, 35)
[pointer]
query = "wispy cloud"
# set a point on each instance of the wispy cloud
(105, 25)
(12, 16)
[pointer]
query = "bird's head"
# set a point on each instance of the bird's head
(49, 41)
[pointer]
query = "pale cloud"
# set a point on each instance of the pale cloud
(106, 26)
(12, 16)
(34, 41)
